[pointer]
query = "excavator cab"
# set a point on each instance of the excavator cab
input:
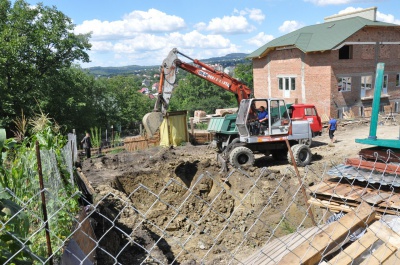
(251, 111)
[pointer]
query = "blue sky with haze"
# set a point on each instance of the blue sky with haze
(129, 32)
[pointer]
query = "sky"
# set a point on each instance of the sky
(132, 32)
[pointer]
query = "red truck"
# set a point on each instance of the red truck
(307, 112)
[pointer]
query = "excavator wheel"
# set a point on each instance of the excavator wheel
(302, 155)
(240, 156)
(307, 142)
(230, 146)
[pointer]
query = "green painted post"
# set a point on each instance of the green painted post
(376, 100)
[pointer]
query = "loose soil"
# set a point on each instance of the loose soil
(173, 189)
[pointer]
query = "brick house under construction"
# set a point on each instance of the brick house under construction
(332, 64)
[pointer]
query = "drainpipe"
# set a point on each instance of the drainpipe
(376, 100)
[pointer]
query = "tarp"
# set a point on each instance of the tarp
(173, 130)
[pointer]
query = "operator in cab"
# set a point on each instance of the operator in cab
(262, 115)
(263, 119)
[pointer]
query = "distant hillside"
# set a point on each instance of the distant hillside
(228, 60)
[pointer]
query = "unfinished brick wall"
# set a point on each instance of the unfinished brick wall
(316, 73)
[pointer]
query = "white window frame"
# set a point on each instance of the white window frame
(385, 84)
(345, 84)
(365, 84)
(291, 83)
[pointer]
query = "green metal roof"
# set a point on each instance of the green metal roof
(319, 37)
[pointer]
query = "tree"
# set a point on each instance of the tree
(194, 93)
(36, 43)
(123, 104)
(72, 98)
(244, 73)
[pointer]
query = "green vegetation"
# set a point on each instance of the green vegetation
(38, 74)
(201, 126)
(244, 73)
(194, 93)
(19, 174)
(95, 136)
(287, 227)
(14, 232)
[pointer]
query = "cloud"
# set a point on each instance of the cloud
(227, 25)
(150, 49)
(135, 22)
(388, 18)
(260, 39)
(146, 37)
(289, 26)
(331, 2)
(253, 13)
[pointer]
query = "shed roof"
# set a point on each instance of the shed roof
(319, 37)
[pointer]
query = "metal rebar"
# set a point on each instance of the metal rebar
(44, 209)
(303, 190)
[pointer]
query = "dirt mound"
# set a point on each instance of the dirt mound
(169, 196)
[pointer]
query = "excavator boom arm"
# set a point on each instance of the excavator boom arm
(218, 78)
(168, 69)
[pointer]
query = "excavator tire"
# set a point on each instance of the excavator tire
(241, 156)
(302, 155)
(307, 142)
(230, 147)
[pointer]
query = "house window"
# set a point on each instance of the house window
(344, 84)
(292, 83)
(385, 83)
(398, 80)
(346, 52)
(287, 83)
(366, 82)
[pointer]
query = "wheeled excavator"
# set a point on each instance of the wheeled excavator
(251, 137)
(152, 121)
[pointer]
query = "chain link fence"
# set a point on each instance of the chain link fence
(338, 214)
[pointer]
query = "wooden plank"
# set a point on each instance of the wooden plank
(349, 254)
(272, 252)
(376, 198)
(347, 207)
(327, 187)
(311, 252)
(393, 260)
(380, 255)
(385, 233)
(356, 193)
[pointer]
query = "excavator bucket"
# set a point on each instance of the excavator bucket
(151, 122)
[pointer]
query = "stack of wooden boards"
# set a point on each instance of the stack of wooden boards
(373, 242)
(367, 191)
